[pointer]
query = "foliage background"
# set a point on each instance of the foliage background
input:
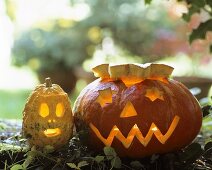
(112, 31)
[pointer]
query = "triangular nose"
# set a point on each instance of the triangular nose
(128, 110)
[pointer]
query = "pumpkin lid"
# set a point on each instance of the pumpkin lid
(136, 71)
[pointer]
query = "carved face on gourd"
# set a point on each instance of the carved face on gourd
(47, 116)
(137, 110)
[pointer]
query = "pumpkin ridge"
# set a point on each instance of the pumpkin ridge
(169, 99)
(40, 120)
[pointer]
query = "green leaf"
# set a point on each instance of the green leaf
(21, 140)
(31, 155)
(154, 157)
(208, 146)
(206, 110)
(3, 126)
(192, 152)
(209, 2)
(109, 152)
(99, 159)
(148, 1)
(192, 10)
(208, 150)
(187, 1)
(116, 162)
(30, 158)
(17, 167)
(48, 149)
(82, 163)
(198, 3)
(72, 165)
(5, 165)
(211, 48)
(195, 7)
(201, 31)
(186, 17)
(136, 165)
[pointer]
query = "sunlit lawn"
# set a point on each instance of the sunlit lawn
(12, 103)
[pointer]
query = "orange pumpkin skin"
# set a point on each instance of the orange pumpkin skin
(178, 101)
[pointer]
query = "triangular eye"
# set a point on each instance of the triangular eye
(128, 110)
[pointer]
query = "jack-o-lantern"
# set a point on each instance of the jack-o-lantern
(47, 116)
(138, 110)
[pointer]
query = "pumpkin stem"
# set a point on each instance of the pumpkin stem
(48, 82)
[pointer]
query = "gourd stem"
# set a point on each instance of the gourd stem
(48, 82)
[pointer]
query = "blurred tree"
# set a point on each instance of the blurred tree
(10, 8)
(201, 32)
(123, 18)
(130, 24)
(205, 25)
(126, 22)
(131, 27)
(51, 49)
(54, 52)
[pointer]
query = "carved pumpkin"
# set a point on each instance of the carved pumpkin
(47, 116)
(137, 110)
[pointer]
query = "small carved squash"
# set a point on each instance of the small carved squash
(47, 116)
(138, 110)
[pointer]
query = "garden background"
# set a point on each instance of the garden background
(64, 39)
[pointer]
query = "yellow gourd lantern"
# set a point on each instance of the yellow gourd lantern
(47, 116)
(138, 110)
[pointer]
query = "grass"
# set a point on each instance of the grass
(77, 156)
(12, 103)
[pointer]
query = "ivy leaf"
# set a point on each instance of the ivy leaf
(187, 1)
(82, 163)
(192, 10)
(109, 152)
(116, 162)
(48, 149)
(2, 126)
(72, 165)
(208, 150)
(208, 146)
(99, 159)
(201, 31)
(154, 158)
(209, 2)
(206, 110)
(148, 1)
(198, 3)
(17, 167)
(136, 165)
(29, 159)
(192, 152)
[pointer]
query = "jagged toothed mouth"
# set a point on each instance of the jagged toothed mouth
(135, 132)
(52, 132)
